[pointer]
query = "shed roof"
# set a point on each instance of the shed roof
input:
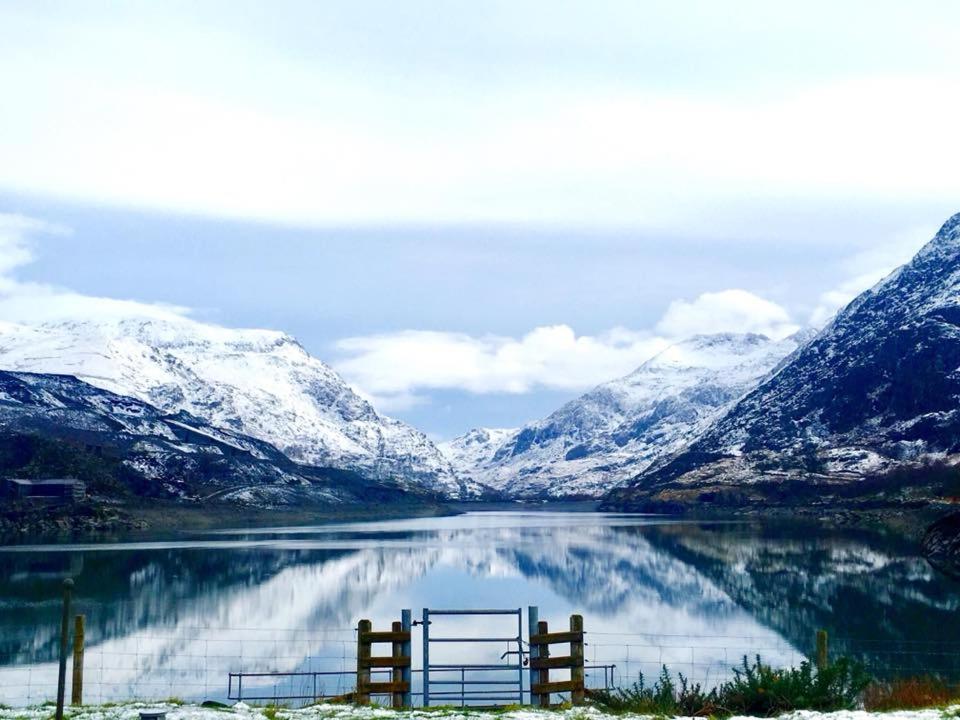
(47, 481)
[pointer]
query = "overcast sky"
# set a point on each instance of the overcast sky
(474, 210)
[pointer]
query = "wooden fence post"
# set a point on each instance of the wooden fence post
(76, 687)
(397, 662)
(823, 657)
(540, 661)
(543, 629)
(578, 694)
(363, 662)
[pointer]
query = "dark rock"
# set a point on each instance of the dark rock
(877, 391)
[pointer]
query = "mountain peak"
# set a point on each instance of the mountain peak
(602, 438)
(711, 351)
(951, 228)
(945, 242)
(174, 331)
(724, 338)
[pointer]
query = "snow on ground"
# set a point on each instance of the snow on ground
(242, 711)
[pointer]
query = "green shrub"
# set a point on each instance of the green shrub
(664, 697)
(759, 689)
(756, 689)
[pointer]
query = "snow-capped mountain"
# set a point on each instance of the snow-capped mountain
(475, 448)
(611, 433)
(877, 390)
(145, 452)
(256, 382)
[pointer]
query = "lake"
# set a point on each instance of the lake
(172, 618)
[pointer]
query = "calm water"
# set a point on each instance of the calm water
(173, 618)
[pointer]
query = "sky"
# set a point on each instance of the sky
(474, 211)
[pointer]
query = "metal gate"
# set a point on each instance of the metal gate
(479, 683)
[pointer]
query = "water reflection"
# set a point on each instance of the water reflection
(172, 618)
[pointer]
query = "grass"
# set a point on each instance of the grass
(909, 694)
(755, 690)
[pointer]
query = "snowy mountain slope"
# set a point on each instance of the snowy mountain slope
(474, 448)
(256, 382)
(608, 435)
(177, 455)
(877, 390)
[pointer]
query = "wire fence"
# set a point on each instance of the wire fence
(194, 664)
(191, 664)
(704, 659)
(711, 659)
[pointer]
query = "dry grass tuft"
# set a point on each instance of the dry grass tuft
(908, 694)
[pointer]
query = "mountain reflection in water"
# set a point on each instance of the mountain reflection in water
(173, 618)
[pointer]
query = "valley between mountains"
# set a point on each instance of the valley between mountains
(864, 413)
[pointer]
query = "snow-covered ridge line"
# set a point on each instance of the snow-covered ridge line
(876, 391)
(171, 456)
(260, 383)
(603, 438)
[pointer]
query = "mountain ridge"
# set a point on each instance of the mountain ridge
(148, 453)
(592, 443)
(260, 383)
(876, 392)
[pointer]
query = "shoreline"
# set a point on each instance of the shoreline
(167, 519)
(163, 519)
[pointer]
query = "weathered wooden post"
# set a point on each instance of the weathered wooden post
(64, 641)
(76, 687)
(540, 686)
(363, 662)
(823, 657)
(407, 651)
(578, 694)
(397, 662)
(544, 677)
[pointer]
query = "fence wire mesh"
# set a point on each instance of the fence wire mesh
(317, 663)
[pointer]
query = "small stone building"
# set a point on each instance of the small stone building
(54, 490)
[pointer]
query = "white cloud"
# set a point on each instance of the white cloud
(394, 368)
(726, 311)
(30, 302)
(15, 246)
(866, 269)
(634, 157)
(398, 370)
(832, 301)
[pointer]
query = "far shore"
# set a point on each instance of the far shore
(161, 519)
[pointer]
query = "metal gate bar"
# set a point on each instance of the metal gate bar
(463, 693)
(253, 692)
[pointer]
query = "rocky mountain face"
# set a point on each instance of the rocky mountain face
(254, 382)
(608, 435)
(128, 447)
(872, 404)
(475, 448)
